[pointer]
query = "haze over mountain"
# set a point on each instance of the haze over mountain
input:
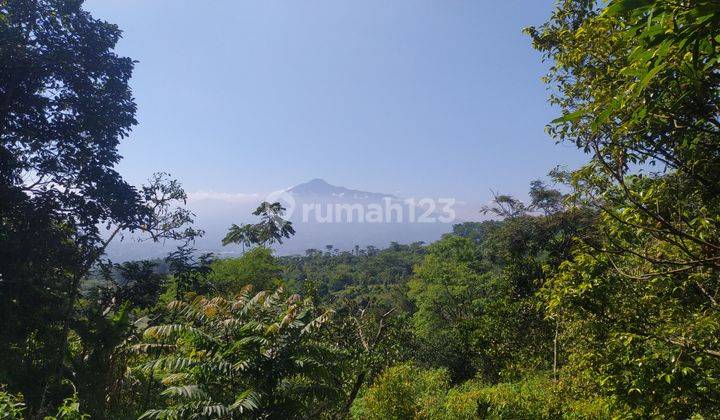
(322, 214)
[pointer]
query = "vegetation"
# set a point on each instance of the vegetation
(638, 85)
(596, 300)
(271, 229)
(253, 354)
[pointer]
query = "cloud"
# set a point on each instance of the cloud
(224, 197)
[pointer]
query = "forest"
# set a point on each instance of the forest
(596, 297)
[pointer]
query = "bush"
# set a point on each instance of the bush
(406, 391)
(11, 405)
(257, 267)
(402, 392)
(532, 398)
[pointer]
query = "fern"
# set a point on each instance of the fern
(226, 357)
(192, 392)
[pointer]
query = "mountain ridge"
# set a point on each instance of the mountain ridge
(320, 188)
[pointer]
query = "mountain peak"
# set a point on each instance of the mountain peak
(314, 186)
(318, 187)
(317, 182)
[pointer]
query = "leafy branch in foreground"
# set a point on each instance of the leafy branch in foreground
(257, 355)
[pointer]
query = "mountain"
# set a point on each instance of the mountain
(319, 188)
(322, 214)
(325, 214)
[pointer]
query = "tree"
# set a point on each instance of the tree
(372, 339)
(189, 270)
(403, 392)
(638, 88)
(137, 283)
(257, 267)
(476, 231)
(271, 229)
(638, 83)
(244, 235)
(447, 291)
(546, 199)
(505, 206)
(478, 311)
(254, 355)
(65, 104)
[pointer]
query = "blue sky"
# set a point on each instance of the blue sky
(420, 98)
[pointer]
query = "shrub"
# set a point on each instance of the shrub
(11, 405)
(257, 267)
(532, 398)
(405, 391)
(402, 392)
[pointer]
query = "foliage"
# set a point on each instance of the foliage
(271, 228)
(535, 397)
(69, 410)
(244, 235)
(638, 85)
(372, 340)
(622, 333)
(136, 283)
(11, 406)
(65, 106)
(189, 271)
(477, 309)
(257, 267)
(596, 303)
(401, 392)
(97, 332)
(406, 391)
(475, 231)
(447, 292)
(361, 275)
(259, 355)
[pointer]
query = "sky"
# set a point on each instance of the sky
(411, 97)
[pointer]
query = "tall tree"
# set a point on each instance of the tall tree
(638, 83)
(272, 228)
(65, 104)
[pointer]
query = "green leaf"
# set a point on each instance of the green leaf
(648, 77)
(186, 391)
(622, 6)
(572, 116)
